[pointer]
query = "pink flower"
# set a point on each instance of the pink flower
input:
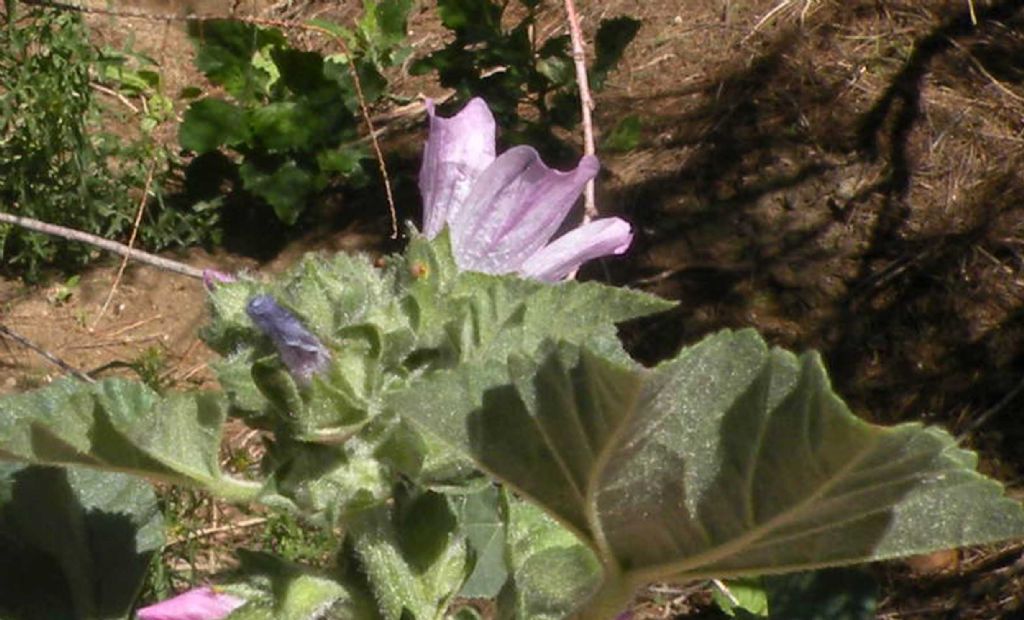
(503, 211)
(212, 277)
(197, 604)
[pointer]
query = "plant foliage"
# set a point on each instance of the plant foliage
(511, 69)
(281, 124)
(732, 459)
(58, 162)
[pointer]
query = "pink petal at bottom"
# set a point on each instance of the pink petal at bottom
(198, 604)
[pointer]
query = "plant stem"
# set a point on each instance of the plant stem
(586, 103)
(235, 490)
(100, 242)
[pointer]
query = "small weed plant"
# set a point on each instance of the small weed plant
(529, 83)
(60, 162)
(288, 127)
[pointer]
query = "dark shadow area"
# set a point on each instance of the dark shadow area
(880, 226)
(62, 559)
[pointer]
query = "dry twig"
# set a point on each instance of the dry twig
(94, 240)
(50, 357)
(586, 102)
(131, 244)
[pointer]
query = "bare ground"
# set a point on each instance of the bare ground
(844, 176)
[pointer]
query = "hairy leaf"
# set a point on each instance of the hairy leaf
(278, 590)
(121, 426)
(731, 459)
(411, 555)
(74, 543)
(481, 519)
(553, 573)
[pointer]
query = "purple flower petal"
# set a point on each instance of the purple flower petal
(198, 604)
(458, 149)
(516, 205)
(212, 277)
(503, 211)
(592, 240)
(300, 350)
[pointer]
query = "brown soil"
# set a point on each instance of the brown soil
(842, 175)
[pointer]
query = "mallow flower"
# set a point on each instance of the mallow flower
(502, 211)
(300, 350)
(197, 604)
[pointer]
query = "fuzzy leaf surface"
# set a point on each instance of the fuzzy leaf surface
(118, 425)
(731, 459)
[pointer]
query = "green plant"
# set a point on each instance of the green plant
(61, 293)
(465, 431)
(291, 125)
(511, 69)
(59, 164)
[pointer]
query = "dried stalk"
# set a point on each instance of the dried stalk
(586, 103)
(50, 357)
(131, 244)
(105, 244)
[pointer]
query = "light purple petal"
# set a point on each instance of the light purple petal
(212, 277)
(458, 149)
(559, 258)
(300, 350)
(198, 604)
(515, 207)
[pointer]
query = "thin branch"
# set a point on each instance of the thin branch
(131, 243)
(373, 140)
(105, 244)
(28, 344)
(586, 103)
(979, 421)
(116, 95)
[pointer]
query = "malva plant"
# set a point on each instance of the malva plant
(474, 435)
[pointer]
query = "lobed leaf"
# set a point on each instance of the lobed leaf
(117, 425)
(211, 123)
(729, 460)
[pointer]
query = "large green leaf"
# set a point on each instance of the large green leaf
(74, 543)
(731, 459)
(121, 426)
(211, 123)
